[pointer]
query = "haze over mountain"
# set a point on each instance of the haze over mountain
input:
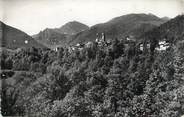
(59, 36)
(12, 38)
(120, 27)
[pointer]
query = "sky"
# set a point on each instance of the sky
(32, 16)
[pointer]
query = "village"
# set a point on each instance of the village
(101, 41)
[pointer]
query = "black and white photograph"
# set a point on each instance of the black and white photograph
(92, 58)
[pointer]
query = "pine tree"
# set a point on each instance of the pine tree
(175, 106)
(179, 62)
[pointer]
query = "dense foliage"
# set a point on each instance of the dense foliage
(98, 81)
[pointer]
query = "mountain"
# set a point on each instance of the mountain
(171, 31)
(59, 36)
(73, 27)
(120, 27)
(50, 37)
(12, 38)
(166, 18)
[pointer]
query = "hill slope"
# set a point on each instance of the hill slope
(50, 37)
(171, 31)
(12, 38)
(120, 27)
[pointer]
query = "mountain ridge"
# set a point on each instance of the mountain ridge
(171, 31)
(58, 36)
(120, 27)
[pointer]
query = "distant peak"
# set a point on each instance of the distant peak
(166, 18)
(139, 14)
(136, 16)
(74, 22)
(151, 14)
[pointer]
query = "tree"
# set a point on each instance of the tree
(9, 97)
(179, 62)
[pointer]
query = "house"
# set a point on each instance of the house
(79, 46)
(163, 45)
(130, 38)
(88, 44)
(71, 49)
(141, 47)
(148, 45)
(57, 48)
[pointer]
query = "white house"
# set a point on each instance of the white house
(56, 49)
(77, 45)
(141, 47)
(130, 37)
(163, 45)
(88, 44)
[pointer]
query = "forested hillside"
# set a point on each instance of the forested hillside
(171, 31)
(12, 38)
(95, 82)
(118, 79)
